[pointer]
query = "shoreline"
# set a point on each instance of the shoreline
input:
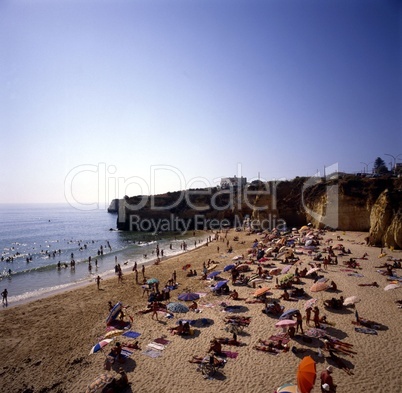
(46, 342)
(107, 275)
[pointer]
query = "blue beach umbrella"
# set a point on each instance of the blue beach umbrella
(288, 388)
(228, 267)
(288, 313)
(188, 296)
(177, 307)
(152, 281)
(214, 274)
(220, 284)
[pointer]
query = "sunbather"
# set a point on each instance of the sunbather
(373, 284)
(229, 341)
(177, 329)
(266, 348)
(234, 295)
(330, 346)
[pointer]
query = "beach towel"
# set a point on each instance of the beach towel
(233, 308)
(152, 353)
(366, 330)
(201, 294)
(278, 337)
(162, 341)
(230, 355)
(131, 334)
(355, 275)
(156, 346)
(207, 305)
(191, 322)
(126, 352)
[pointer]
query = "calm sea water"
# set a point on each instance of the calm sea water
(36, 239)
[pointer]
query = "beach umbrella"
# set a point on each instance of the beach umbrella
(351, 300)
(316, 333)
(113, 333)
(287, 388)
(177, 307)
(285, 323)
(319, 286)
(306, 374)
(97, 347)
(220, 284)
(287, 277)
(99, 383)
(152, 281)
(286, 269)
(243, 267)
(114, 312)
(310, 303)
(311, 271)
(228, 267)
(214, 274)
(275, 271)
(261, 291)
(288, 313)
(188, 296)
(392, 286)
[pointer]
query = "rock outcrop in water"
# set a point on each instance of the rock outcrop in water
(114, 206)
(352, 204)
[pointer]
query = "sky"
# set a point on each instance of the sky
(101, 99)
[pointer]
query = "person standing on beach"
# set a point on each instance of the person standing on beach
(143, 272)
(299, 322)
(136, 276)
(308, 316)
(316, 317)
(155, 310)
(98, 280)
(4, 295)
(327, 383)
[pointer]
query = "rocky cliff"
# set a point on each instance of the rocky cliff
(350, 203)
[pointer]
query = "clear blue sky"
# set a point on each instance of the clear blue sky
(115, 97)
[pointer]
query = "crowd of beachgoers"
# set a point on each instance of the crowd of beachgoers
(243, 303)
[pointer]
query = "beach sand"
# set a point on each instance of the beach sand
(45, 344)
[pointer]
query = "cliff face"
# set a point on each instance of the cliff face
(350, 203)
(386, 219)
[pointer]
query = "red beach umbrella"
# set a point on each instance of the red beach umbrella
(306, 374)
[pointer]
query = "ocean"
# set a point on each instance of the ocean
(38, 242)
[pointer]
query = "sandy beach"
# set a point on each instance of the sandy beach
(46, 343)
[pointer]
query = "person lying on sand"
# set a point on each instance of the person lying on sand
(373, 284)
(267, 348)
(230, 341)
(331, 346)
(131, 345)
(210, 358)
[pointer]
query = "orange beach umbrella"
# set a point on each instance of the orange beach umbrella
(306, 374)
(261, 291)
